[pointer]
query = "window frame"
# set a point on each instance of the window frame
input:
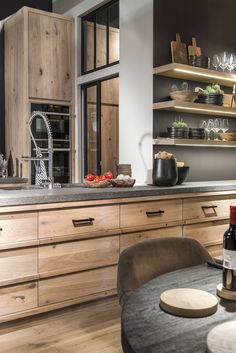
(83, 39)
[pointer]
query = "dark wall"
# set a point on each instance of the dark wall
(7, 8)
(212, 23)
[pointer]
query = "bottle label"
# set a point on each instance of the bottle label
(229, 259)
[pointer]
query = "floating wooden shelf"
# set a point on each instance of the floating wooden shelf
(195, 108)
(192, 142)
(193, 73)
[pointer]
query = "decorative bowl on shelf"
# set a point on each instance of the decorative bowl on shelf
(100, 184)
(122, 183)
(197, 133)
(184, 96)
(227, 136)
(182, 174)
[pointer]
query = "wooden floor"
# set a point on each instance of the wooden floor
(90, 328)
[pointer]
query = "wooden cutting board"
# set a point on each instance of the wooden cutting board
(225, 293)
(179, 51)
(193, 49)
(188, 302)
(222, 339)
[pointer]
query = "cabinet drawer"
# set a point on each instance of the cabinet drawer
(127, 240)
(16, 264)
(206, 208)
(150, 213)
(78, 221)
(207, 233)
(18, 298)
(18, 227)
(76, 285)
(78, 255)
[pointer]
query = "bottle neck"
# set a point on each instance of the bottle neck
(233, 215)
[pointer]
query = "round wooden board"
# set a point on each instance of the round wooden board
(222, 339)
(188, 302)
(225, 293)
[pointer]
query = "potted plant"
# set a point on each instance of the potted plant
(179, 129)
(212, 94)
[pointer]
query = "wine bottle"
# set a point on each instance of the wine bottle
(229, 253)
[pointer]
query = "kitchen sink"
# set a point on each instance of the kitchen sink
(38, 187)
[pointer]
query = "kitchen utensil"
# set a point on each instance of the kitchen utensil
(221, 339)
(93, 184)
(122, 182)
(179, 51)
(164, 172)
(199, 61)
(193, 49)
(188, 302)
(225, 293)
(214, 264)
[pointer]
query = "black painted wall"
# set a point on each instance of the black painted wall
(7, 8)
(212, 22)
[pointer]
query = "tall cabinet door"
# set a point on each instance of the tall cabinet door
(50, 37)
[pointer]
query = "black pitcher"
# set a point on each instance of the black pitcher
(165, 172)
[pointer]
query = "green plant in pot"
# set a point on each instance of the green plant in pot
(212, 94)
(178, 129)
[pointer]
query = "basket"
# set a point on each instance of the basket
(227, 136)
(184, 96)
(122, 183)
(93, 184)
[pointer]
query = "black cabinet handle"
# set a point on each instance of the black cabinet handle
(207, 207)
(154, 213)
(1, 229)
(83, 222)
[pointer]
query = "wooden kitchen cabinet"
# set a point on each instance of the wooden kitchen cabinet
(39, 69)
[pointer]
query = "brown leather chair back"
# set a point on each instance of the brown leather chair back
(144, 261)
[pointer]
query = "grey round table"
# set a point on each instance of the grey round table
(148, 329)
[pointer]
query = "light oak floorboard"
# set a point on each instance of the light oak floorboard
(93, 328)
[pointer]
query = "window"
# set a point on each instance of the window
(100, 38)
(101, 122)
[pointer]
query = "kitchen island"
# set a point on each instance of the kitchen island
(61, 247)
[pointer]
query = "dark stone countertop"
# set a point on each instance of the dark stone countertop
(148, 329)
(13, 180)
(24, 196)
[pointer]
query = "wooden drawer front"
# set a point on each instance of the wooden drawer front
(16, 264)
(18, 227)
(18, 298)
(208, 233)
(127, 240)
(76, 285)
(78, 255)
(148, 213)
(78, 221)
(206, 208)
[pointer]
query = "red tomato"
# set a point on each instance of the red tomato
(97, 179)
(108, 175)
(102, 177)
(89, 177)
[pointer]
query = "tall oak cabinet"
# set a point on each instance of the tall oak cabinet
(39, 64)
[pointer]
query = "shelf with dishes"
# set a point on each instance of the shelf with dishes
(195, 108)
(192, 73)
(165, 141)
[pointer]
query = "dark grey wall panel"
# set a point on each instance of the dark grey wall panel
(212, 23)
(7, 8)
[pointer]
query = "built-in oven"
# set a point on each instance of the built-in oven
(59, 119)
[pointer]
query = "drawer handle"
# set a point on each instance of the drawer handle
(1, 229)
(154, 213)
(207, 207)
(83, 222)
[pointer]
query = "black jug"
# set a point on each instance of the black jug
(165, 172)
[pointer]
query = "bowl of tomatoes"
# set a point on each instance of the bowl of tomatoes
(98, 181)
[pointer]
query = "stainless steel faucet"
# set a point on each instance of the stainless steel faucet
(50, 181)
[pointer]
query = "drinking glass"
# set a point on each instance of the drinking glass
(231, 62)
(216, 61)
(210, 126)
(216, 128)
(224, 60)
(224, 125)
(205, 126)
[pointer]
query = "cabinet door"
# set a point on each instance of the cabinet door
(50, 57)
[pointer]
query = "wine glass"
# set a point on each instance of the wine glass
(205, 126)
(216, 128)
(224, 60)
(216, 61)
(231, 62)
(224, 126)
(210, 126)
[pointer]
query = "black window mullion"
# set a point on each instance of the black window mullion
(99, 127)
(85, 117)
